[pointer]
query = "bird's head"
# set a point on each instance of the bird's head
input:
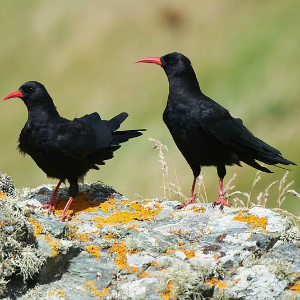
(32, 93)
(173, 63)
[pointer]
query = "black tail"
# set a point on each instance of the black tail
(267, 155)
(116, 121)
(124, 136)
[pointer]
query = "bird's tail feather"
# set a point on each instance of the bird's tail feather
(114, 123)
(125, 135)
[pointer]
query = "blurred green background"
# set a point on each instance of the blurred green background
(246, 55)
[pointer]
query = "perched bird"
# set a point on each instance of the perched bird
(204, 131)
(62, 148)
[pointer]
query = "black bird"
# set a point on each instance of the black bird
(62, 148)
(204, 131)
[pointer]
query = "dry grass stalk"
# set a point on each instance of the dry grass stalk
(158, 145)
(283, 189)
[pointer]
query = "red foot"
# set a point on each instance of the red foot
(190, 201)
(52, 204)
(222, 202)
(53, 201)
(63, 218)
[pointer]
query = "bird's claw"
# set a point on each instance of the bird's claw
(52, 205)
(222, 202)
(63, 218)
(191, 200)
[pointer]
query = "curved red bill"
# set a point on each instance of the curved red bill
(153, 60)
(16, 94)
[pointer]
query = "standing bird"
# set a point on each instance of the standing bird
(204, 131)
(62, 148)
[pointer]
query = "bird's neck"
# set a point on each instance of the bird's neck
(184, 86)
(43, 112)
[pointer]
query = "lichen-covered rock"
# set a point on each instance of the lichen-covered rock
(115, 248)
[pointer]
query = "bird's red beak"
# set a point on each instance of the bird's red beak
(153, 60)
(16, 94)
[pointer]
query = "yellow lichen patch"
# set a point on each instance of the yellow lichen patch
(214, 281)
(132, 226)
(179, 232)
(167, 294)
(108, 236)
(81, 203)
(57, 291)
(295, 287)
(93, 250)
(141, 213)
(120, 250)
(252, 220)
(154, 263)
(95, 291)
(2, 223)
(123, 202)
(188, 253)
(216, 256)
(108, 205)
(53, 245)
(84, 237)
(2, 195)
(144, 274)
(198, 209)
(37, 227)
(146, 211)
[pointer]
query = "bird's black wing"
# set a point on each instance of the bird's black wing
(231, 132)
(84, 135)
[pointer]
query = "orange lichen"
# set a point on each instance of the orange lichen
(108, 205)
(93, 250)
(198, 209)
(61, 293)
(252, 220)
(2, 195)
(295, 287)
(188, 253)
(108, 236)
(124, 202)
(53, 245)
(141, 213)
(144, 274)
(216, 256)
(81, 203)
(95, 291)
(214, 281)
(2, 223)
(120, 250)
(132, 226)
(167, 294)
(154, 263)
(84, 237)
(37, 227)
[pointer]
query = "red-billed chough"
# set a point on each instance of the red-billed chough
(204, 131)
(62, 148)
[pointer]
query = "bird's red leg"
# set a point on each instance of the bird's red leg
(53, 201)
(63, 216)
(191, 198)
(221, 200)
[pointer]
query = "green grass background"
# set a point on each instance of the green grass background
(246, 55)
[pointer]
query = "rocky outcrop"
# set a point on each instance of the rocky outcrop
(116, 248)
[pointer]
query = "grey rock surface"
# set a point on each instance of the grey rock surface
(115, 248)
